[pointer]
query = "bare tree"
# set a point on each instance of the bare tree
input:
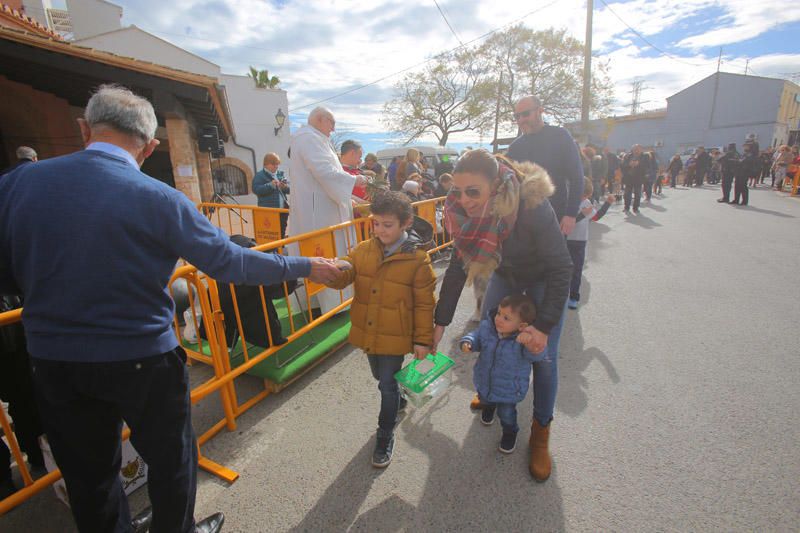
(448, 96)
(548, 64)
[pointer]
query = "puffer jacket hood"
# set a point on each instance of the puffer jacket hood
(503, 369)
(392, 308)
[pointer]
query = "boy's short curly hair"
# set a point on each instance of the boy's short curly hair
(522, 305)
(392, 203)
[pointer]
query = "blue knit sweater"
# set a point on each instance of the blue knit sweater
(91, 242)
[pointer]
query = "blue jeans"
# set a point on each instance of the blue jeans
(384, 367)
(545, 372)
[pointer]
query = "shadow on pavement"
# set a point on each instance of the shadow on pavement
(460, 493)
(574, 359)
(765, 211)
(642, 220)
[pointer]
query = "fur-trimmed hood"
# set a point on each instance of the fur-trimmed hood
(536, 184)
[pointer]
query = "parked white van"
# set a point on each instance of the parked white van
(440, 159)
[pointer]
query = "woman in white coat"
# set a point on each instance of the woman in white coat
(321, 191)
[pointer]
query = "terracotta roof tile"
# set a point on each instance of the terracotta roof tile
(26, 22)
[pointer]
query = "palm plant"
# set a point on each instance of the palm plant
(262, 79)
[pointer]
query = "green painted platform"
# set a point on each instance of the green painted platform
(297, 355)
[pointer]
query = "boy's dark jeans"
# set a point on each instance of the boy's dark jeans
(384, 367)
(507, 413)
(577, 251)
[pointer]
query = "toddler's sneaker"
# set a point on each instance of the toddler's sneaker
(572, 304)
(487, 415)
(508, 442)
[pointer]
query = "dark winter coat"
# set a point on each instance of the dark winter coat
(535, 251)
(502, 372)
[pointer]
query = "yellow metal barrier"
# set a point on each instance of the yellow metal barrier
(204, 296)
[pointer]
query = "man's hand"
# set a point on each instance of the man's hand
(610, 198)
(323, 270)
(533, 339)
(438, 333)
(567, 225)
(466, 346)
(421, 351)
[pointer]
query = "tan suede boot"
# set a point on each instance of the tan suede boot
(540, 464)
(476, 404)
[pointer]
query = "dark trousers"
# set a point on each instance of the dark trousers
(507, 413)
(741, 192)
(727, 181)
(384, 367)
(577, 250)
(82, 406)
(284, 219)
(635, 189)
(673, 179)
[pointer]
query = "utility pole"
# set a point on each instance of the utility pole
(587, 71)
(719, 61)
(746, 65)
(497, 113)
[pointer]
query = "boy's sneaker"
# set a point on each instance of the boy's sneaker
(572, 304)
(384, 446)
(487, 415)
(508, 442)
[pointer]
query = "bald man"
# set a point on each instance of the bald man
(552, 148)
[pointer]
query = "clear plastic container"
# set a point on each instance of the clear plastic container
(422, 380)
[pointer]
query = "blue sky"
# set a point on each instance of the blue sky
(321, 49)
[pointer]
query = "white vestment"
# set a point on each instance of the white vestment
(321, 197)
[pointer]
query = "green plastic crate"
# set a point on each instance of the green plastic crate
(418, 387)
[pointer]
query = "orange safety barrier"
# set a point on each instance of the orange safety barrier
(259, 223)
(204, 296)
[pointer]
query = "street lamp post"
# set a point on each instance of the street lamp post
(280, 119)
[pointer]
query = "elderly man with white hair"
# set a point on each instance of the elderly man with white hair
(98, 315)
(321, 190)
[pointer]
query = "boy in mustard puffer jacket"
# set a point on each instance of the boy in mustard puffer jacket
(392, 309)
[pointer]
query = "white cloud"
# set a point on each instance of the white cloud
(320, 49)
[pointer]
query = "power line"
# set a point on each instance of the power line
(476, 39)
(448, 23)
(651, 45)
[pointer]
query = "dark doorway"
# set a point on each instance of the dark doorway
(159, 166)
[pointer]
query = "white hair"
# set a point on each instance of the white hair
(410, 186)
(26, 152)
(319, 112)
(119, 108)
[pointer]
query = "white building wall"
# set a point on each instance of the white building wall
(253, 114)
(92, 17)
(134, 42)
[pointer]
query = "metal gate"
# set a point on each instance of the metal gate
(229, 180)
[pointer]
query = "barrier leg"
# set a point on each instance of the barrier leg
(15, 450)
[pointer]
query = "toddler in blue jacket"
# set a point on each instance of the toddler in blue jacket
(503, 370)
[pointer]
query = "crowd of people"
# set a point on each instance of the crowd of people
(519, 224)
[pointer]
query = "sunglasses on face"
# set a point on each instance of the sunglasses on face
(523, 114)
(471, 192)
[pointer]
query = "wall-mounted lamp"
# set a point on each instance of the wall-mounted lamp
(280, 119)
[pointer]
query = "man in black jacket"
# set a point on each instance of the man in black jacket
(634, 171)
(730, 165)
(703, 165)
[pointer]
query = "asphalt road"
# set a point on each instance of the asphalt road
(678, 405)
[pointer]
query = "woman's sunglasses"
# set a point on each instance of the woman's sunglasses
(471, 192)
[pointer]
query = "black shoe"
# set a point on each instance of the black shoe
(141, 522)
(211, 524)
(733, 203)
(508, 442)
(384, 445)
(280, 341)
(487, 415)
(723, 201)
